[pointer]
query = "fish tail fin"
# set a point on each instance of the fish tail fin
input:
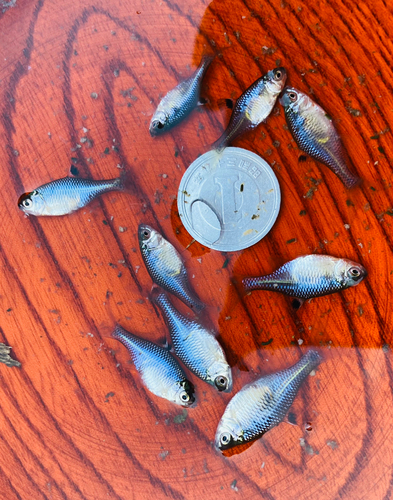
(250, 283)
(206, 59)
(312, 359)
(352, 181)
(124, 182)
(220, 144)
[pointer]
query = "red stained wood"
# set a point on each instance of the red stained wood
(78, 85)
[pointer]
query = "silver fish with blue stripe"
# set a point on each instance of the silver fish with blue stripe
(165, 266)
(310, 276)
(263, 404)
(180, 101)
(159, 370)
(196, 347)
(63, 196)
(315, 134)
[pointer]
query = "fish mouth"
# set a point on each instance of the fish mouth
(156, 127)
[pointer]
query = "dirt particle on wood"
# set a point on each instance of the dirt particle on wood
(182, 417)
(5, 356)
(353, 111)
(268, 51)
(332, 444)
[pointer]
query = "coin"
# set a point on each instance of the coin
(229, 201)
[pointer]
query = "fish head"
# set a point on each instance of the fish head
(294, 100)
(32, 203)
(275, 80)
(183, 393)
(158, 123)
(349, 273)
(221, 376)
(229, 434)
(149, 238)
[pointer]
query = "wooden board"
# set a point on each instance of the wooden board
(78, 85)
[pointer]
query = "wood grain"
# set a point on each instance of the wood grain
(78, 85)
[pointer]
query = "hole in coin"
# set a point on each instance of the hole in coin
(241, 187)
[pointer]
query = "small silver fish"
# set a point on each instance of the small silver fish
(66, 195)
(310, 276)
(159, 370)
(180, 101)
(263, 404)
(315, 134)
(253, 106)
(196, 347)
(165, 266)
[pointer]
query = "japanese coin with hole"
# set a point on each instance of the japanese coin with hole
(229, 201)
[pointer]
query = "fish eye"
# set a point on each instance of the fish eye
(278, 75)
(184, 397)
(221, 383)
(145, 234)
(354, 272)
(292, 96)
(225, 438)
(27, 203)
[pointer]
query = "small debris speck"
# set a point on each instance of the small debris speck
(332, 444)
(94, 95)
(179, 419)
(233, 485)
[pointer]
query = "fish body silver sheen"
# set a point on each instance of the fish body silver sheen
(263, 404)
(196, 347)
(159, 370)
(315, 134)
(180, 101)
(253, 106)
(310, 276)
(165, 266)
(63, 196)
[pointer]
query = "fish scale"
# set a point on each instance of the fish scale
(315, 134)
(159, 370)
(63, 196)
(165, 266)
(253, 106)
(261, 405)
(308, 276)
(195, 346)
(180, 101)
